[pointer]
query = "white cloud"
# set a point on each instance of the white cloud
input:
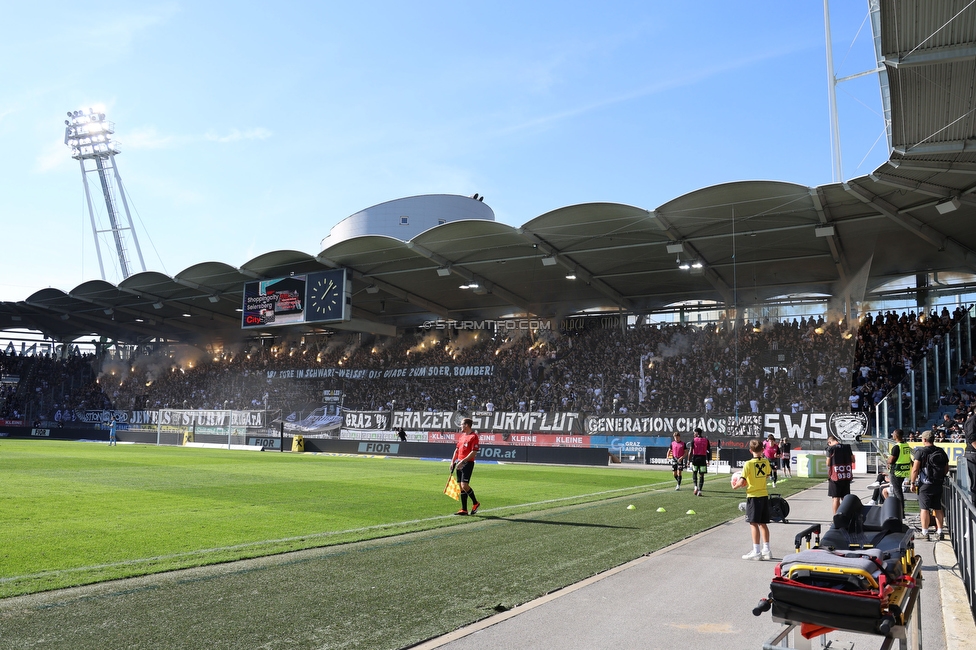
(660, 86)
(259, 133)
(149, 138)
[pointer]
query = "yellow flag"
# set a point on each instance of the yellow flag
(452, 489)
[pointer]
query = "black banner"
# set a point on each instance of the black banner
(652, 425)
(809, 426)
(530, 422)
(427, 420)
(370, 420)
(448, 371)
(583, 323)
(208, 417)
(815, 426)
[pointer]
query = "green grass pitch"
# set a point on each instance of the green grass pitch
(80, 513)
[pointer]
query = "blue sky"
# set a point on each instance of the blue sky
(249, 127)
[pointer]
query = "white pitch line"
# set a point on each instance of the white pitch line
(335, 533)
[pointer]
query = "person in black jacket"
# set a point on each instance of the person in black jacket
(927, 482)
(840, 470)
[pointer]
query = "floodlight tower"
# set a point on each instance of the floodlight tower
(89, 135)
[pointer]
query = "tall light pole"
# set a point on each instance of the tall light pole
(89, 135)
(874, 10)
(838, 170)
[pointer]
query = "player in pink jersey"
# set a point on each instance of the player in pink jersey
(700, 450)
(678, 455)
(772, 453)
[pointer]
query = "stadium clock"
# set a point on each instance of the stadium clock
(326, 296)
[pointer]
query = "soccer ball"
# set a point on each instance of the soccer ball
(735, 480)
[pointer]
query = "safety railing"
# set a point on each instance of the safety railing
(911, 403)
(961, 513)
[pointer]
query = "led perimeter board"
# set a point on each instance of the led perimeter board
(320, 297)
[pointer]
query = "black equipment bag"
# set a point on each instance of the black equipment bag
(779, 509)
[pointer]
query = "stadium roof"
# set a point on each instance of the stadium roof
(756, 240)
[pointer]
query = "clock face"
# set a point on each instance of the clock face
(325, 296)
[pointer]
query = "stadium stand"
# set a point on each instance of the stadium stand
(687, 368)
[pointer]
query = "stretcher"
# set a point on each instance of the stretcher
(861, 576)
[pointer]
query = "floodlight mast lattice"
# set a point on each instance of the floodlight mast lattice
(874, 11)
(89, 135)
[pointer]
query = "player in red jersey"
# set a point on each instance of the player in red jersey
(462, 461)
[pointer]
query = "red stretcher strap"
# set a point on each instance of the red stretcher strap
(809, 630)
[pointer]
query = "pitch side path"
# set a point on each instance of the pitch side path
(698, 593)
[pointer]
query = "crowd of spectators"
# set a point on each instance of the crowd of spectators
(34, 385)
(793, 366)
(958, 405)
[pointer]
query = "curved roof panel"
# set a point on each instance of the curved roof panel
(215, 275)
(275, 263)
(754, 240)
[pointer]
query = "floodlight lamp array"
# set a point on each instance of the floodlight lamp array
(88, 134)
(85, 116)
(99, 150)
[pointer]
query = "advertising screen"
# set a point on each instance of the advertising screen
(309, 298)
